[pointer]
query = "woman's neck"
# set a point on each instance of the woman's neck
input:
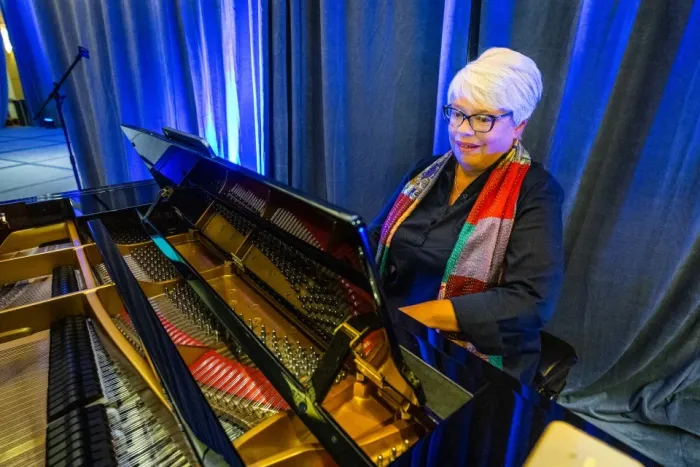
(462, 180)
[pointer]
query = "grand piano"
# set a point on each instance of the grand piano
(211, 316)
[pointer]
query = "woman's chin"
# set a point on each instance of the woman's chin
(468, 157)
(474, 161)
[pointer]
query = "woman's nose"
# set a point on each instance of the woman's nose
(465, 128)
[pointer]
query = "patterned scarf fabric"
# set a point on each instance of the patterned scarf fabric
(477, 260)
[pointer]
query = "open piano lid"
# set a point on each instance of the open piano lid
(316, 246)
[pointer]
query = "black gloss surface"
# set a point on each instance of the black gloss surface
(88, 203)
(500, 425)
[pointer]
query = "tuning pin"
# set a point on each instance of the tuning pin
(406, 445)
(393, 454)
(380, 461)
(250, 323)
(263, 335)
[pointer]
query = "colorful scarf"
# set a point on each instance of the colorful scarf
(477, 260)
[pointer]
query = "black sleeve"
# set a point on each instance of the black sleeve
(375, 227)
(497, 320)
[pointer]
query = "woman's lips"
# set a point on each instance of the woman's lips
(467, 146)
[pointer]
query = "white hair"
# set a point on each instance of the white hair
(499, 79)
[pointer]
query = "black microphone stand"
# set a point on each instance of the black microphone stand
(82, 53)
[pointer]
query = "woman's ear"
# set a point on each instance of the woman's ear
(518, 132)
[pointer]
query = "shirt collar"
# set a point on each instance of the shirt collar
(476, 185)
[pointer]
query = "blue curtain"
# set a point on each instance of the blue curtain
(453, 54)
(30, 54)
(4, 87)
(618, 127)
(194, 65)
(356, 93)
(352, 94)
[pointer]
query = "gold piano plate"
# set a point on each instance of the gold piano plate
(25, 324)
(28, 242)
(28, 267)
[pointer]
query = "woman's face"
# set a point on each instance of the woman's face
(474, 151)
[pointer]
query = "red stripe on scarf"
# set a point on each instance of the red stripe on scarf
(460, 285)
(495, 202)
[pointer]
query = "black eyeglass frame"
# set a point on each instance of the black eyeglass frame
(494, 118)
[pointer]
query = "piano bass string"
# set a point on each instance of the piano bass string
(68, 395)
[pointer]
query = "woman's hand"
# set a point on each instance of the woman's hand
(439, 314)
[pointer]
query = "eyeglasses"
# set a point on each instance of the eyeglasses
(481, 123)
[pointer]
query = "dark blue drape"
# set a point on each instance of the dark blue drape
(352, 94)
(618, 127)
(356, 94)
(195, 65)
(4, 86)
(30, 54)
(340, 98)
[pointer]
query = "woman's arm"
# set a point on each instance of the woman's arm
(496, 319)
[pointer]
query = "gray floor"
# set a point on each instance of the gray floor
(33, 161)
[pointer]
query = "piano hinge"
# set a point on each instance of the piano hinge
(351, 332)
(237, 262)
(166, 192)
(163, 195)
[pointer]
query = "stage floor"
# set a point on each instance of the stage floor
(33, 161)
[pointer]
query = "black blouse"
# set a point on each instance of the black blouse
(504, 320)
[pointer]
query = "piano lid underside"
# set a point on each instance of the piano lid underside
(291, 278)
(272, 285)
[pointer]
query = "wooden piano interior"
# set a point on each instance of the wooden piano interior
(56, 287)
(73, 390)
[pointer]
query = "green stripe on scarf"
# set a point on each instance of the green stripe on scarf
(464, 235)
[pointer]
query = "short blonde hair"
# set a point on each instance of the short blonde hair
(500, 79)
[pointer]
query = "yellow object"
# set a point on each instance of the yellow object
(566, 446)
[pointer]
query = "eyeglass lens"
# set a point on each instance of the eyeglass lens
(481, 123)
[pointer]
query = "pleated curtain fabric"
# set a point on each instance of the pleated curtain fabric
(4, 87)
(195, 65)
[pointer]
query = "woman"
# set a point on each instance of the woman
(472, 242)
